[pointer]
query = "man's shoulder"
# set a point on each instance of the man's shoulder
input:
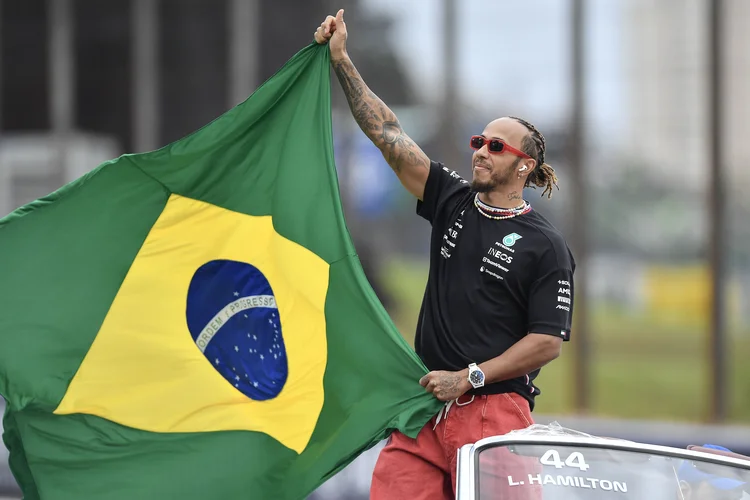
(551, 239)
(439, 168)
(545, 228)
(444, 191)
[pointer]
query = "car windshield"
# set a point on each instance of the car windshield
(573, 472)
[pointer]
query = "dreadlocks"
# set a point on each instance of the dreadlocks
(534, 145)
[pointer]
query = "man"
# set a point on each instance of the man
(498, 300)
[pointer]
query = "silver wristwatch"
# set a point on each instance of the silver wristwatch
(476, 376)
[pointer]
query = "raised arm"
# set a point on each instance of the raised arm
(376, 120)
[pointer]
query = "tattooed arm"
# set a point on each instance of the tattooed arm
(382, 127)
(375, 119)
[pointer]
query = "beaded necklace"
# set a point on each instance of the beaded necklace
(501, 213)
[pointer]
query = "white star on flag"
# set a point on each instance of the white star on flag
(236, 294)
(236, 349)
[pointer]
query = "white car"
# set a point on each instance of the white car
(549, 462)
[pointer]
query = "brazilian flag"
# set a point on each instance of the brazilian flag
(194, 322)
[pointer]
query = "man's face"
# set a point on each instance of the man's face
(490, 171)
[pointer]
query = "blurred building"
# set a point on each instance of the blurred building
(195, 53)
(667, 60)
(84, 81)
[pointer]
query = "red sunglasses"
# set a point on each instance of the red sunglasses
(496, 146)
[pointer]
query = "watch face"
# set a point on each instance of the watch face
(476, 377)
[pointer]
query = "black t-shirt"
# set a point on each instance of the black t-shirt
(491, 282)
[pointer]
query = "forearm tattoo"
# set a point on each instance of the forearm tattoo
(377, 121)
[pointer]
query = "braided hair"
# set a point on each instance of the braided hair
(533, 145)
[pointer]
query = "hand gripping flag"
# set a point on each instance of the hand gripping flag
(193, 322)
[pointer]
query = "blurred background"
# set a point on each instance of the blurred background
(643, 104)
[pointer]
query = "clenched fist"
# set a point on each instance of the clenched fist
(333, 31)
(446, 386)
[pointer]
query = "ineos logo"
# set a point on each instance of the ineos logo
(500, 255)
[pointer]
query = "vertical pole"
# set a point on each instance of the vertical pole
(145, 48)
(5, 201)
(579, 229)
(62, 67)
(717, 218)
(61, 82)
(1, 72)
(244, 30)
(451, 118)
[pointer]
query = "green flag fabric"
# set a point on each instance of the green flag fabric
(193, 322)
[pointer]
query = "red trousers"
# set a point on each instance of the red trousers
(425, 467)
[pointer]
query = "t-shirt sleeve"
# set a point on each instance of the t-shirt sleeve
(551, 295)
(443, 188)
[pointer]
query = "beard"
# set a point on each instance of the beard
(496, 179)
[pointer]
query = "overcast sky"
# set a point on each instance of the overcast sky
(516, 53)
